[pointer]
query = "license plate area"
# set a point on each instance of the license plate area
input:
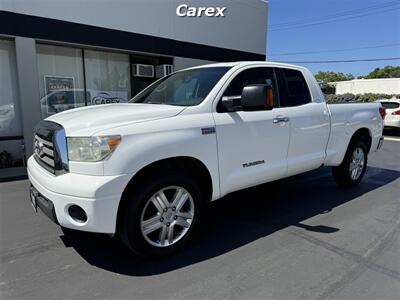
(32, 195)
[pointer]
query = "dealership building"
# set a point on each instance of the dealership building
(57, 55)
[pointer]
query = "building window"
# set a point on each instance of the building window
(61, 82)
(107, 77)
(11, 141)
(10, 121)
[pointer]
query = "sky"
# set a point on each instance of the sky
(323, 25)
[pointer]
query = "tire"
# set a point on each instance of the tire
(342, 173)
(146, 210)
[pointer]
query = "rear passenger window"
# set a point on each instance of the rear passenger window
(293, 89)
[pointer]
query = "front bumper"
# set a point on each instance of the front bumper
(45, 205)
(98, 196)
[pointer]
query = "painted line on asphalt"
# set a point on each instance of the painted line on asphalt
(393, 139)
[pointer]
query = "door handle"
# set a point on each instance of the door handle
(280, 120)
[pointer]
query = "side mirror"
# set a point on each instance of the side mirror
(257, 97)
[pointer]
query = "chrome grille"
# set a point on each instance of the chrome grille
(44, 150)
(50, 147)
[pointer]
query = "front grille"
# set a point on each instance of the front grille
(44, 151)
(50, 147)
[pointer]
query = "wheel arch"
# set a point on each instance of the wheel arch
(362, 134)
(342, 173)
(187, 163)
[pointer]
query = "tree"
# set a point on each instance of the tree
(324, 78)
(385, 72)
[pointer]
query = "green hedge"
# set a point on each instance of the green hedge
(351, 98)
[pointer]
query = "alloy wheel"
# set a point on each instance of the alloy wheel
(357, 163)
(167, 216)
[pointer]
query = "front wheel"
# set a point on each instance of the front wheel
(161, 214)
(351, 171)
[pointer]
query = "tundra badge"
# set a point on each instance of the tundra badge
(207, 130)
(253, 163)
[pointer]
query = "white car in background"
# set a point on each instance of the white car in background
(392, 118)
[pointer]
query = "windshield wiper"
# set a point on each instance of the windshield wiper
(164, 103)
(152, 102)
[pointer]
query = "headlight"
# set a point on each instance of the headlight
(91, 148)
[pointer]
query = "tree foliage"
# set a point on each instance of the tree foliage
(385, 72)
(325, 77)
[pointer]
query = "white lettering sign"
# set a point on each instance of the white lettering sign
(184, 10)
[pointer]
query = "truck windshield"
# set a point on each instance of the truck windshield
(185, 88)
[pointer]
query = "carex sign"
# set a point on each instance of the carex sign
(185, 10)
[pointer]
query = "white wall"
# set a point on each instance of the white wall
(243, 28)
(363, 86)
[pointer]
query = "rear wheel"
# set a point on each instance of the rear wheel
(161, 214)
(351, 171)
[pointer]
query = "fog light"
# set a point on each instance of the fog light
(77, 214)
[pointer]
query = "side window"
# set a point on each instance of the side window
(293, 89)
(248, 77)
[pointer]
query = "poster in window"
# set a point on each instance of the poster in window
(108, 97)
(59, 93)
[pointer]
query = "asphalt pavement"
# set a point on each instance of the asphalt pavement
(297, 238)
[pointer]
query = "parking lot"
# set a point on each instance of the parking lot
(298, 238)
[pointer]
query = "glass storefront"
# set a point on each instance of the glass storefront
(61, 82)
(107, 77)
(11, 140)
(10, 120)
(68, 77)
(73, 77)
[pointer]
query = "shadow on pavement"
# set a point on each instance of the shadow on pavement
(235, 220)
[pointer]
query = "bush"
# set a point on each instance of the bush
(358, 98)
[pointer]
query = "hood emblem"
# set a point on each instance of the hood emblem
(39, 148)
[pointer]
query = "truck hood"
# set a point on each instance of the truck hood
(86, 121)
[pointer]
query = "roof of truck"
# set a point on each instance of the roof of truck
(247, 63)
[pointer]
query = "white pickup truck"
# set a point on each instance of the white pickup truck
(144, 170)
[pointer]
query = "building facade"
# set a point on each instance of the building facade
(389, 86)
(57, 55)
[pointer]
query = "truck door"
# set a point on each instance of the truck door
(309, 122)
(252, 145)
